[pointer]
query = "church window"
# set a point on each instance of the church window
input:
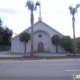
(40, 36)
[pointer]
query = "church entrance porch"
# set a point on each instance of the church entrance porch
(40, 47)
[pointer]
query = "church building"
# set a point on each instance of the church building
(42, 34)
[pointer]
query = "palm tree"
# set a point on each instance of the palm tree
(1, 30)
(24, 37)
(56, 41)
(1, 22)
(1, 38)
(73, 11)
(38, 4)
(31, 6)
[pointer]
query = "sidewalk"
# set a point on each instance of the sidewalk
(51, 54)
(9, 54)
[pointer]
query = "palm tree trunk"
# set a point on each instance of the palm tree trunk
(74, 41)
(25, 48)
(56, 48)
(32, 21)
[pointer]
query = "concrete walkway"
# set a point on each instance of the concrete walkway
(9, 54)
(51, 54)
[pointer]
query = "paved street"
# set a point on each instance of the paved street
(57, 69)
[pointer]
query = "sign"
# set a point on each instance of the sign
(76, 76)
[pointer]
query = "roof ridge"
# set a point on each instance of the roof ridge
(34, 25)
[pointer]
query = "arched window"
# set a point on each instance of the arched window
(40, 43)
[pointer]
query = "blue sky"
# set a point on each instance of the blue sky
(55, 13)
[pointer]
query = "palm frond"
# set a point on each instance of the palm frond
(24, 37)
(70, 8)
(37, 3)
(77, 5)
(30, 5)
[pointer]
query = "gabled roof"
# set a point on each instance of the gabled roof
(24, 30)
(50, 27)
(34, 25)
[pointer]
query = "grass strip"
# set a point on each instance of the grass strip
(58, 57)
(40, 57)
(11, 57)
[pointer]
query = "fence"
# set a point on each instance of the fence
(5, 48)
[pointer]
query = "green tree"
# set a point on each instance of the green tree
(1, 30)
(1, 23)
(32, 7)
(1, 38)
(66, 43)
(24, 37)
(56, 41)
(5, 34)
(78, 46)
(73, 11)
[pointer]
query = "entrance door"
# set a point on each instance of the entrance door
(40, 47)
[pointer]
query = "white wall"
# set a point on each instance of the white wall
(40, 28)
(45, 39)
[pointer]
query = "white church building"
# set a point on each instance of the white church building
(42, 34)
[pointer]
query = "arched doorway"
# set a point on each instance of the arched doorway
(40, 47)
